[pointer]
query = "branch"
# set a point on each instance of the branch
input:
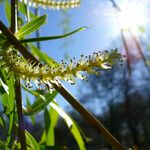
(115, 5)
(77, 106)
(18, 97)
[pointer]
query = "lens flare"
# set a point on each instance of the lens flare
(132, 14)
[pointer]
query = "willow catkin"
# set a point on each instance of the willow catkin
(46, 74)
(53, 4)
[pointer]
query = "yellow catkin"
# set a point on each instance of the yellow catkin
(53, 4)
(66, 71)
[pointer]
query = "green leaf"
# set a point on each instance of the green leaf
(5, 87)
(51, 37)
(49, 131)
(11, 121)
(30, 27)
(7, 98)
(56, 147)
(3, 41)
(41, 103)
(32, 117)
(42, 56)
(22, 8)
(2, 122)
(2, 145)
(31, 141)
(71, 125)
(8, 102)
(8, 10)
(50, 119)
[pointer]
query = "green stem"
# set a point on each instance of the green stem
(37, 31)
(21, 128)
(77, 106)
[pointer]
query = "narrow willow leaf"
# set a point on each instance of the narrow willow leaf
(32, 117)
(41, 103)
(23, 10)
(71, 125)
(56, 147)
(4, 86)
(52, 37)
(4, 98)
(42, 56)
(8, 10)
(2, 43)
(43, 138)
(16, 145)
(51, 119)
(2, 145)
(31, 141)
(30, 27)
(8, 98)
(11, 95)
(54, 117)
(2, 122)
(11, 121)
(1, 142)
(49, 131)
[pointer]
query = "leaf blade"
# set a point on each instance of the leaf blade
(31, 26)
(51, 37)
(44, 57)
(71, 125)
(31, 141)
(41, 103)
(7, 10)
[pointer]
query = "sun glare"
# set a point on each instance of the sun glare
(132, 14)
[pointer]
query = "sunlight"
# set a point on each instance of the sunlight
(132, 14)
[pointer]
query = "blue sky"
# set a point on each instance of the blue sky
(102, 32)
(96, 38)
(93, 39)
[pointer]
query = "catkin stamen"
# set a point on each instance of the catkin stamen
(66, 71)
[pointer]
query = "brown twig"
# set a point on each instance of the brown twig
(18, 97)
(139, 48)
(127, 52)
